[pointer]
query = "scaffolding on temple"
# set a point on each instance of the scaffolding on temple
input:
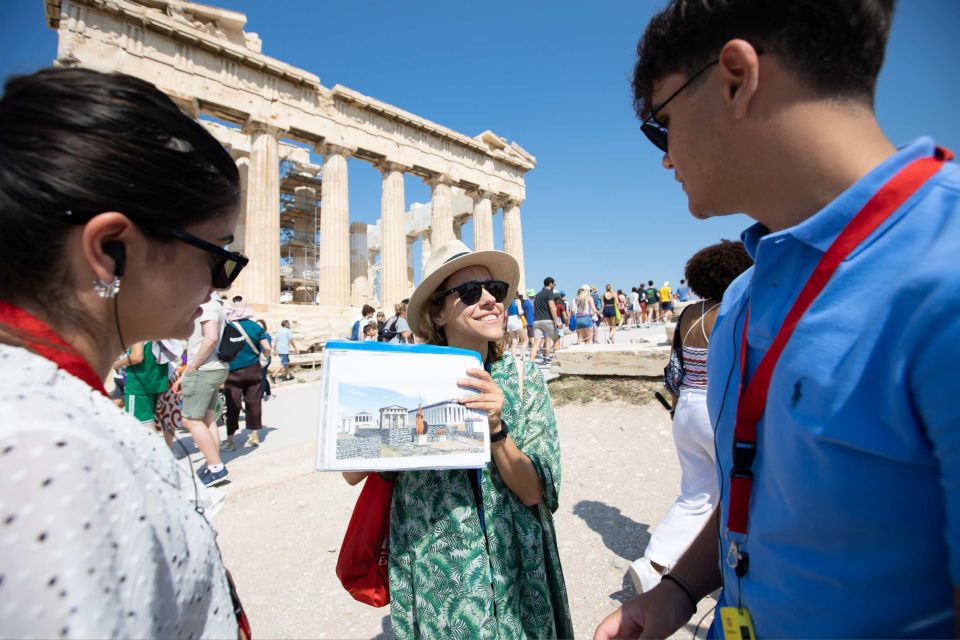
(300, 189)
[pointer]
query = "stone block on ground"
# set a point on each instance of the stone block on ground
(634, 360)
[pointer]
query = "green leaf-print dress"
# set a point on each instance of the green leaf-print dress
(448, 579)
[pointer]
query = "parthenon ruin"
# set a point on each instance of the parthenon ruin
(295, 225)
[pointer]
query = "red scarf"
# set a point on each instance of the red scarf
(37, 336)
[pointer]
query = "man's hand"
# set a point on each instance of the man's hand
(654, 614)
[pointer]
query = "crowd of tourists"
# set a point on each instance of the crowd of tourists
(819, 455)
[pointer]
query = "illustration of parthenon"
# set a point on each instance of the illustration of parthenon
(295, 224)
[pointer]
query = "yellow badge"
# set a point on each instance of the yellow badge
(737, 624)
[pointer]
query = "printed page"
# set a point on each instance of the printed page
(394, 407)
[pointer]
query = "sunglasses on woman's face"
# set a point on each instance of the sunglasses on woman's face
(225, 265)
(471, 292)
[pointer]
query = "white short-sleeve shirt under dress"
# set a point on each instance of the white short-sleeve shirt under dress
(99, 537)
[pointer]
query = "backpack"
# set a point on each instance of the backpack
(231, 343)
(389, 330)
(355, 331)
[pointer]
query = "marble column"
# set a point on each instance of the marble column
(240, 233)
(373, 284)
(393, 249)
(482, 222)
(441, 203)
(513, 235)
(426, 251)
(410, 284)
(334, 259)
(359, 269)
(262, 225)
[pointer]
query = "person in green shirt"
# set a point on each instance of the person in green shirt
(473, 553)
(146, 380)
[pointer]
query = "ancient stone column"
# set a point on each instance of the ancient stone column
(482, 222)
(359, 269)
(425, 252)
(410, 242)
(261, 241)
(393, 248)
(240, 233)
(513, 236)
(334, 259)
(441, 203)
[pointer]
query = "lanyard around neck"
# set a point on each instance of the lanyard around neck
(753, 395)
(38, 337)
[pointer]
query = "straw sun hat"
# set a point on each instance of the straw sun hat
(444, 262)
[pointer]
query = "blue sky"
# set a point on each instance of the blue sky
(552, 77)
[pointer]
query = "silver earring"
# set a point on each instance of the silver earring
(107, 289)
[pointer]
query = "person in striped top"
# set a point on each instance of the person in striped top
(709, 272)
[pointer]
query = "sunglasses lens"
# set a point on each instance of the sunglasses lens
(470, 292)
(656, 133)
(225, 272)
(498, 289)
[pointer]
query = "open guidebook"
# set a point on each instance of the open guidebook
(387, 407)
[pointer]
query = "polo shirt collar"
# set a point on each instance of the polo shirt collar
(821, 229)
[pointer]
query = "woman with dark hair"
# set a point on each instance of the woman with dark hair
(709, 272)
(105, 186)
(473, 553)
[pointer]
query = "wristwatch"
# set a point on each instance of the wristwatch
(499, 435)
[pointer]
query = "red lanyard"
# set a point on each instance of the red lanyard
(37, 336)
(753, 396)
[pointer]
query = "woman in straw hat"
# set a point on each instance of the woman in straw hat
(473, 553)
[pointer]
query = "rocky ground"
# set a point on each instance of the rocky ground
(282, 523)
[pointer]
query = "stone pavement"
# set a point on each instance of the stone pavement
(282, 523)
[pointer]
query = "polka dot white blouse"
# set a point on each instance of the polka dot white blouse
(97, 539)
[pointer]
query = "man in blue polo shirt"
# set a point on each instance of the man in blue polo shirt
(842, 518)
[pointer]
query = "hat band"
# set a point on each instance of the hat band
(459, 255)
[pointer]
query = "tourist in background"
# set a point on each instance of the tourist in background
(545, 322)
(396, 330)
(515, 329)
(563, 320)
(636, 312)
(370, 332)
(683, 292)
(653, 302)
(666, 302)
(285, 343)
(476, 550)
(356, 329)
(265, 369)
(710, 271)
(528, 317)
(243, 387)
(199, 386)
(584, 313)
(104, 184)
(609, 312)
(622, 306)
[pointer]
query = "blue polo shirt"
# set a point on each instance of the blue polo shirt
(854, 526)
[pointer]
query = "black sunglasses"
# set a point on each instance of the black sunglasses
(471, 292)
(657, 132)
(225, 265)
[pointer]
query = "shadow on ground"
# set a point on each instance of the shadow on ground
(386, 630)
(620, 534)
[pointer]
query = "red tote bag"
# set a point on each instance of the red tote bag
(362, 564)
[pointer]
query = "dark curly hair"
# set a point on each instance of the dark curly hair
(711, 270)
(835, 46)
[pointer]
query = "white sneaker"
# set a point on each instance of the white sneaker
(644, 576)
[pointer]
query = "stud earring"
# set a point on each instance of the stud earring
(107, 290)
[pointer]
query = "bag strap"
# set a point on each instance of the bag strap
(250, 344)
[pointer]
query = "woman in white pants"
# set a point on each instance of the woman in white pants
(709, 272)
